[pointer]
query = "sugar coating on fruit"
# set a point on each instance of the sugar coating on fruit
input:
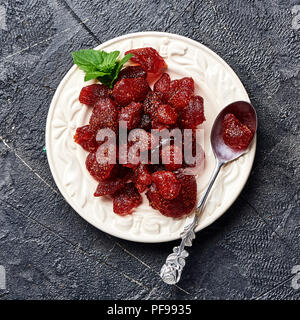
(132, 72)
(166, 184)
(98, 171)
(166, 114)
(182, 205)
(193, 114)
(104, 115)
(181, 90)
(162, 85)
(130, 89)
(152, 102)
(125, 200)
(109, 186)
(131, 115)
(235, 134)
(89, 95)
(86, 138)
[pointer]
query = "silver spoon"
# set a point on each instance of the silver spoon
(245, 112)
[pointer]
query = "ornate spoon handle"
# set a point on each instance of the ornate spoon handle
(172, 269)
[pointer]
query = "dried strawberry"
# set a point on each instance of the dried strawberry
(89, 95)
(142, 175)
(105, 115)
(149, 59)
(180, 98)
(171, 157)
(166, 114)
(193, 114)
(98, 170)
(128, 90)
(182, 205)
(125, 200)
(108, 186)
(163, 86)
(235, 134)
(131, 114)
(86, 138)
(186, 83)
(132, 72)
(167, 184)
(181, 91)
(151, 103)
(141, 178)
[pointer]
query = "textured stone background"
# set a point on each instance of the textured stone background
(49, 252)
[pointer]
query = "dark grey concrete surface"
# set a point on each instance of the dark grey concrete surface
(49, 252)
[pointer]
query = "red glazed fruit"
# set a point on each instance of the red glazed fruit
(235, 134)
(149, 59)
(186, 83)
(142, 178)
(132, 72)
(142, 175)
(128, 90)
(182, 205)
(181, 91)
(171, 157)
(86, 138)
(193, 114)
(108, 186)
(167, 184)
(163, 86)
(98, 171)
(104, 115)
(180, 98)
(125, 200)
(89, 95)
(131, 114)
(151, 103)
(166, 114)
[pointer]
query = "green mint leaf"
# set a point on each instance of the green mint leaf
(107, 80)
(109, 62)
(93, 75)
(88, 69)
(120, 65)
(126, 58)
(86, 58)
(100, 64)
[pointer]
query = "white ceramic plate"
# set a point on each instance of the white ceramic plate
(214, 80)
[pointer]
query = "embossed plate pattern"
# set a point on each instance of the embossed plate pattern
(214, 80)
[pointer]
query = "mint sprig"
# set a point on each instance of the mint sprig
(100, 65)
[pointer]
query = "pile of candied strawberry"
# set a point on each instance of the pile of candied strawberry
(170, 104)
